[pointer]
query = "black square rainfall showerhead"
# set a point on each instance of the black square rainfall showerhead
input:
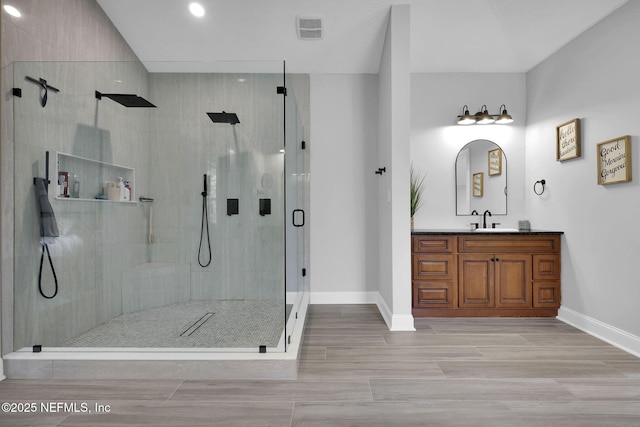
(127, 100)
(224, 117)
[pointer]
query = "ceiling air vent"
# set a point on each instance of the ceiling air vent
(309, 28)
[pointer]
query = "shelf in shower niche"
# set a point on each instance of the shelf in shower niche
(92, 177)
(77, 199)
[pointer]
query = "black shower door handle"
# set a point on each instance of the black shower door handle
(298, 217)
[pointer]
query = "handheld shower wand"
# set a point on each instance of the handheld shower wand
(204, 222)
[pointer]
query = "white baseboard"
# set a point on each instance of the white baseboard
(343, 298)
(614, 336)
(395, 322)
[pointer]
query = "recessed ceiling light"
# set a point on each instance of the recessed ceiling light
(196, 9)
(12, 11)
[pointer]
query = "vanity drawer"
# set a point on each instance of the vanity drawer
(511, 243)
(432, 294)
(433, 266)
(431, 244)
(546, 267)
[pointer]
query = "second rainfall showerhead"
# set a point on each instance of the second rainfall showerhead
(224, 117)
(128, 100)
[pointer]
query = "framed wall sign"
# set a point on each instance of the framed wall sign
(568, 140)
(478, 184)
(495, 162)
(614, 160)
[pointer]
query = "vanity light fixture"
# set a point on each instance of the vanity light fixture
(483, 117)
(466, 118)
(504, 117)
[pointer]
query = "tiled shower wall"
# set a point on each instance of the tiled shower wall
(243, 162)
(61, 30)
(98, 239)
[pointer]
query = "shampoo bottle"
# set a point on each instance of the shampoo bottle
(127, 186)
(122, 191)
(75, 193)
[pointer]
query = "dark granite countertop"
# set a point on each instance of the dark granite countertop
(418, 232)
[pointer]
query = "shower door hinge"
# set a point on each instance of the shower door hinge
(304, 272)
(303, 145)
(289, 339)
(282, 90)
(17, 92)
(37, 348)
(262, 349)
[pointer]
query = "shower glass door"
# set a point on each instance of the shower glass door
(195, 259)
(296, 168)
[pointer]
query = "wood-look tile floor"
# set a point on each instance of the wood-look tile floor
(354, 372)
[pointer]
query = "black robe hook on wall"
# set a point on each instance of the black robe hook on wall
(45, 87)
(380, 171)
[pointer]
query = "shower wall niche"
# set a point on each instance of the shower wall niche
(163, 152)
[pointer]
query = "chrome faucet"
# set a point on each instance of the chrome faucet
(484, 218)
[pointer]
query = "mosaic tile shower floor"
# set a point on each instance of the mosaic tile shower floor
(194, 324)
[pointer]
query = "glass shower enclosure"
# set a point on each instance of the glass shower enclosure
(180, 200)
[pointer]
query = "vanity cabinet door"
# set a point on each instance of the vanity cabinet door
(494, 280)
(513, 280)
(476, 281)
(546, 281)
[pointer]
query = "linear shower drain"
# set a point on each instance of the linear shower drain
(194, 327)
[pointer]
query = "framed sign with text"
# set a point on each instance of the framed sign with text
(495, 162)
(478, 184)
(568, 140)
(614, 160)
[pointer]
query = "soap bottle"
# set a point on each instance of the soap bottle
(127, 186)
(75, 193)
(122, 190)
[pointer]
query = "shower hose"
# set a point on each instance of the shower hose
(53, 270)
(204, 223)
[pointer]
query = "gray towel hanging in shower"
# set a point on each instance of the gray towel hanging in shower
(48, 225)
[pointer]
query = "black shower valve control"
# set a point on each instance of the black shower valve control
(380, 171)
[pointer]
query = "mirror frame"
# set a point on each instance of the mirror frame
(504, 171)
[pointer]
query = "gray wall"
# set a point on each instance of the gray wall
(98, 240)
(88, 35)
(594, 78)
(246, 163)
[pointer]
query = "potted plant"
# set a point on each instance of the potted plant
(417, 181)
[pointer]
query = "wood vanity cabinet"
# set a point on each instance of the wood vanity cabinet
(485, 275)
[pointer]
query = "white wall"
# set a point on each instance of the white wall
(594, 78)
(394, 255)
(344, 243)
(436, 139)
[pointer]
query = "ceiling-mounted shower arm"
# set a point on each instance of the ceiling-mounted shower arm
(128, 100)
(45, 86)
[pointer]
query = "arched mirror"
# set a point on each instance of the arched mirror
(481, 178)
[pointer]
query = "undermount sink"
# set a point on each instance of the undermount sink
(497, 230)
